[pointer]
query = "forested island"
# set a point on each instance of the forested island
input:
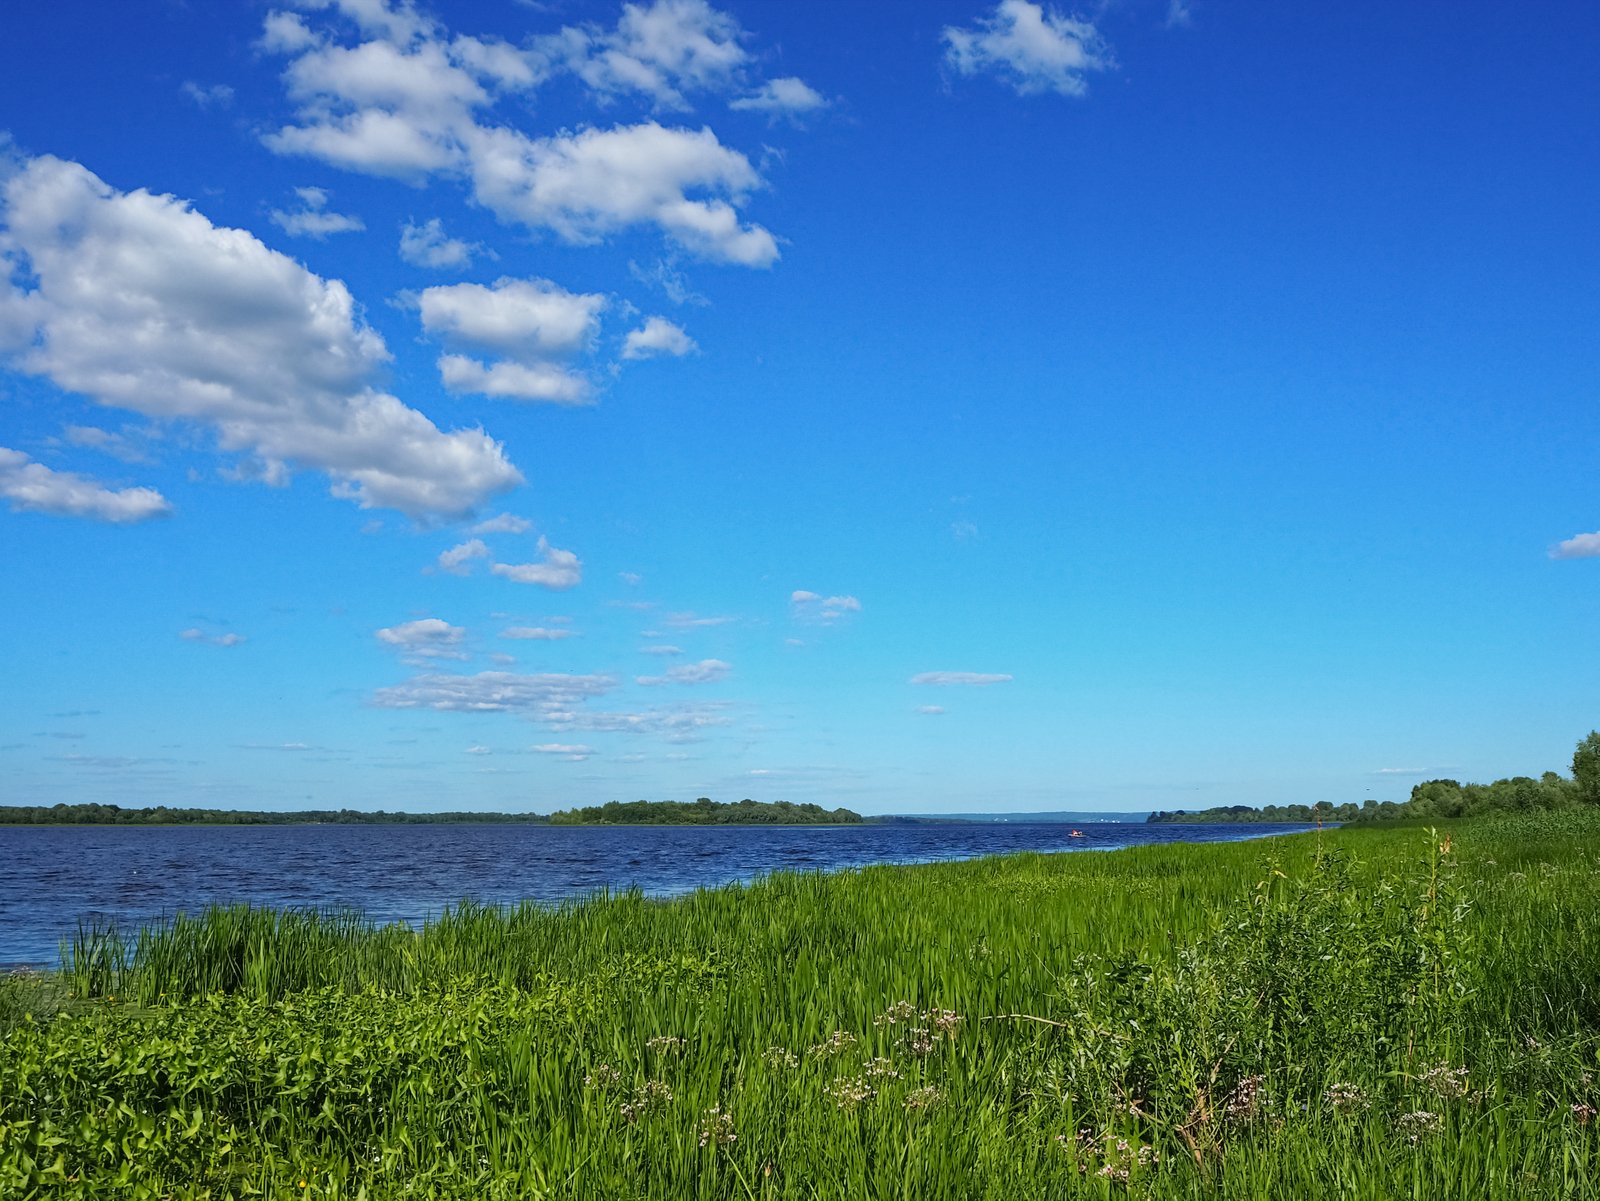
(703, 812)
(1433, 798)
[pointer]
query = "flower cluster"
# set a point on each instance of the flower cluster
(880, 1069)
(1248, 1100)
(1418, 1125)
(781, 1057)
(666, 1044)
(1346, 1098)
(603, 1076)
(923, 1099)
(1584, 1112)
(650, 1097)
(716, 1127)
(1111, 1157)
(1445, 1082)
(839, 1040)
(849, 1091)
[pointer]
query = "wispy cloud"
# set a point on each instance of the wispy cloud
(559, 569)
(1032, 48)
(194, 634)
(707, 671)
(976, 679)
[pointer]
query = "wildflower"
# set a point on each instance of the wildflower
(1584, 1112)
(666, 1044)
(834, 1043)
(1247, 1101)
(603, 1076)
(850, 1091)
(650, 1097)
(880, 1068)
(779, 1057)
(918, 1040)
(944, 1021)
(900, 1011)
(1418, 1125)
(923, 1099)
(1445, 1082)
(1346, 1098)
(717, 1127)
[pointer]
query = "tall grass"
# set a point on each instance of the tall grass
(1365, 1013)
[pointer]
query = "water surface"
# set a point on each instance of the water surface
(57, 876)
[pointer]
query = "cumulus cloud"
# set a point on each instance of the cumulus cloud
(537, 633)
(1032, 48)
(782, 97)
(660, 648)
(589, 184)
(558, 569)
(198, 635)
(533, 323)
(34, 488)
(971, 678)
(1579, 546)
(655, 338)
(572, 752)
(425, 639)
(930, 710)
(139, 302)
(514, 381)
(707, 671)
(458, 559)
(661, 50)
(427, 245)
(411, 100)
(312, 219)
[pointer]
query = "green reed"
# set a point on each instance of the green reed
(1358, 1013)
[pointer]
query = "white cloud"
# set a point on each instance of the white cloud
(586, 185)
(963, 531)
(972, 678)
(549, 696)
(141, 303)
(674, 723)
(117, 445)
(1178, 14)
(572, 752)
(480, 750)
(690, 621)
(514, 381)
(312, 219)
(812, 606)
(33, 487)
(537, 633)
(782, 97)
(630, 578)
(558, 569)
(503, 523)
(524, 319)
(458, 559)
(198, 635)
(219, 95)
(428, 638)
(427, 245)
(930, 710)
(407, 104)
(660, 649)
(657, 337)
(1401, 771)
(1579, 546)
(707, 671)
(532, 322)
(1032, 48)
(661, 50)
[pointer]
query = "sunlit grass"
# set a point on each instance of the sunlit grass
(1361, 1014)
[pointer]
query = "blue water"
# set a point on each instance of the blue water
(57, 876)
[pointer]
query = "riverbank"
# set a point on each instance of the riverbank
(1357, 1013)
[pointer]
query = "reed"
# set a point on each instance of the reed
(1360, 1013)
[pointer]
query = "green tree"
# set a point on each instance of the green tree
(1586, 769)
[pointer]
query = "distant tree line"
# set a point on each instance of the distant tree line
(704, 812)
(1435, 798)
(162, 815)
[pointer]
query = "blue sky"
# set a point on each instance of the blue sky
(948, 406)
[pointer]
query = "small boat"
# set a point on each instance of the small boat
(1075, 834)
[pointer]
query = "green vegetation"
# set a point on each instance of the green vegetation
(1434, 799)
(704, 812)
(1365, 1012)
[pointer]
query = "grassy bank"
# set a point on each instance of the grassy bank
(1359, 1013)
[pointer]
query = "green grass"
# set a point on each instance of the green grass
(1360, 1013)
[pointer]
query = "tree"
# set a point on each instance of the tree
(1586, 769)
